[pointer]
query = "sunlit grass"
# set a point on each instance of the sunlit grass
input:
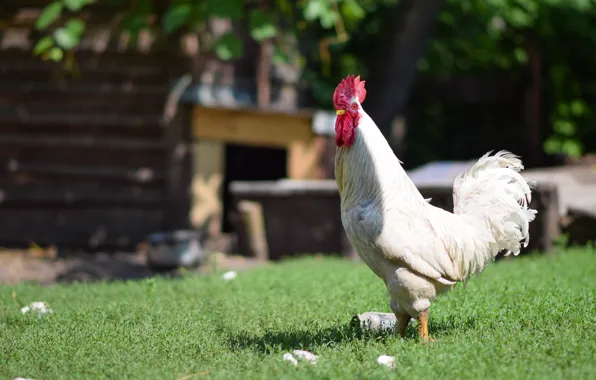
(531, 317)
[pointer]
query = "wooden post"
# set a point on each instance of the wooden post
(548, 215)
(208, 171)
(263, 80)
(254, 224)
(264, 66)
(532, 101)
(179, 170)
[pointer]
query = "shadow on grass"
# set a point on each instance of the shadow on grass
(306, 339)
(86, 267)
(445, 326)
(310, 339)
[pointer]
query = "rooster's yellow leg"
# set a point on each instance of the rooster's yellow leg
(402, 318)
(423, 326)
(401, 325)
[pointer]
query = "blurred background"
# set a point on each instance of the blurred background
(154, 134)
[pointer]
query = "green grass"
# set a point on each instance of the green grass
(529, 318)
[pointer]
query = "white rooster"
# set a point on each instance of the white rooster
(419, 250)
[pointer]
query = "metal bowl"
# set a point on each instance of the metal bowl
(168, 250)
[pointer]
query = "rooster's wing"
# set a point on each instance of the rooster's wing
(414, 239)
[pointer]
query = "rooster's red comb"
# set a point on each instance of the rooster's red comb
(349, 87)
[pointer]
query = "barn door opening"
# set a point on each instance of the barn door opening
(248, 163)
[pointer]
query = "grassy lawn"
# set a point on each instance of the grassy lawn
(531, 317)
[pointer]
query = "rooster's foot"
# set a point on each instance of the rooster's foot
(423, 327)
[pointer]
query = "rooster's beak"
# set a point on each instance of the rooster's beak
(339, 112)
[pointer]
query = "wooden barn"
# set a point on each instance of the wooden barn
(97, 152)
(87, 156)
(132, 136)
(247, 143)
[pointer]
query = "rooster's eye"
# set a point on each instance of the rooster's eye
(354, 107)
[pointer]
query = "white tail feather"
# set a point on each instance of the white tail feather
(493, 194)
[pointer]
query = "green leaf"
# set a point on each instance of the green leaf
(520, 55)
(75, 26)
(447, 18)
(133, 23)
(279, 57)
(228, 47)
(582, 5)
(354, 12)
(552, 145)
(313, 10)
(578, 108)
(55, 54)
(197, 14)
(137, 18)
(572, 148)
(49, 15)
(285, 6)
(519, 18)
(564, 127)
(65, 38)
(261, 26)
(563, 109)
(74, 5)
(231, 9)
(176, 16)
(350, 65)
(43, 45)
(320, 9)
(328, 19)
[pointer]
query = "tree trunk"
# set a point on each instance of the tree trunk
(533, 96)
(408, 28)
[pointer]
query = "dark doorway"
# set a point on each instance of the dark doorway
(247, 163)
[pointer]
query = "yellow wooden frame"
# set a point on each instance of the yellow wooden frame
(261, 128)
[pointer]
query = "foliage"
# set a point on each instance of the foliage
(488, 38)
(485, 37)
(531, 318)
(265, 19)
(323, 27)
(478, 37)
(65, 37)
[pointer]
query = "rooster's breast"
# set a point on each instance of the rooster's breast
(363, 223)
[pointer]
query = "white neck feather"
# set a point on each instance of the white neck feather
(370, 166)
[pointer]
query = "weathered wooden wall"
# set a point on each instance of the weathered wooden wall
(88, 160)
(85, 160)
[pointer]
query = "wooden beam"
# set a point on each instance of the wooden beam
(87, 228)
(305, 158)
(31, 116)
(141, 175)
(179, 164)
(263, 74)
(253, 219)
(72, 194)
(61, 141)
(250, 128)
(209, 169)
